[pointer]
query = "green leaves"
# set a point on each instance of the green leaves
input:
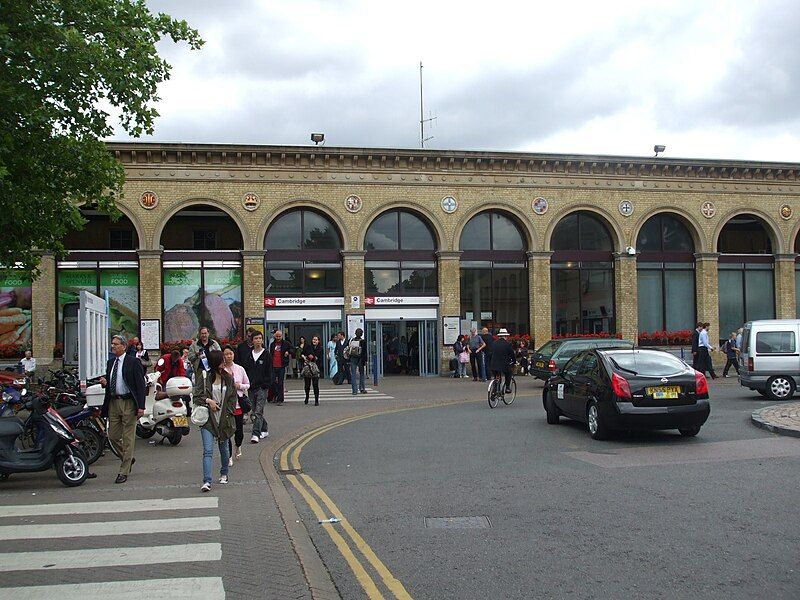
(61, 61)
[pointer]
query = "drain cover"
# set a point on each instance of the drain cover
(457, 522)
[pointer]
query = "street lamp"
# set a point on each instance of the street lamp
(317, 138)
(658, 148)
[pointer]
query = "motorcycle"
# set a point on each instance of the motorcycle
(12, 396)
(165, 410)
(57, 445)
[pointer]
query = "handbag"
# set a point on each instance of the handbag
(200, 415)
(310, 371)
(463, 358)
(244, 404)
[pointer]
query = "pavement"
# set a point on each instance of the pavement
(783, 419)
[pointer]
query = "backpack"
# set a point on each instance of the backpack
(353, 349)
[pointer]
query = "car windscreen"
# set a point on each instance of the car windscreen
(647, 363)
(549, 348)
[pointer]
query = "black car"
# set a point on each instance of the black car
(613, 390)
(553, 355)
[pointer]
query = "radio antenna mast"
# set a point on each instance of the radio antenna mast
(422, 119)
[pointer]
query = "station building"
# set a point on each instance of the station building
(419, 244)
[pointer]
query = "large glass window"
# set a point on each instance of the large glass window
(494, 273)
(400, 257)
(303, 256)
(746, 275)
(665, 274)
(205, 295)
(582, 276)
(15, 304)
(201, 228)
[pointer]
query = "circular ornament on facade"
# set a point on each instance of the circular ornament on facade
(539, 205)
(353, 203)
(148, 200)
(626, 208)
(449, 204)
(708, 209)
(786, 212)
(251, 201)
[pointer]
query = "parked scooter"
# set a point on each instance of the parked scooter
(57, 445)
(12, 396)
(165, 411)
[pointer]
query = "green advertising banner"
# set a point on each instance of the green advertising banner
(70, 284)
(15, 314)
(123, 298)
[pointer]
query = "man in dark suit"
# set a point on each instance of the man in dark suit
(124, 401)
(501, 360)
(696, 344)
(343, 366)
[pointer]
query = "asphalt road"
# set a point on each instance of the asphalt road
(540, 511)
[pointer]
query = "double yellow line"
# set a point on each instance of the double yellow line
(311, 492)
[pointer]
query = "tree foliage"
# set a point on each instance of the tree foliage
(64, 64)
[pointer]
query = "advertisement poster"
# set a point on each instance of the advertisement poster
(70, 284)
(256, 323)
(187, 305)
(123, 299)
(181, 304)
(150, 333)
(15, 312)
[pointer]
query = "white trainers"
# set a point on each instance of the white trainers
(254, 439)
(264, 434)
(223, 480)
(206, 487)
(230, 461)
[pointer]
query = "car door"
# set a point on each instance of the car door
(565, 388)
(584, 384)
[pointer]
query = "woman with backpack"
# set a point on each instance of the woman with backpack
(356, 352)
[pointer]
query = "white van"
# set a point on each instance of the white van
(769, 362)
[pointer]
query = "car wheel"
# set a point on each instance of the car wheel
(690, 431)
(551, 409)
(780, 387)
(597, 427)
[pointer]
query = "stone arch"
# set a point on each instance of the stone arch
(434, 224)
(519, 217)
(694, 228)
(247, 242)
(617, 237)
(773, 230)
(792, 241)
(297, 204)
(137, 226)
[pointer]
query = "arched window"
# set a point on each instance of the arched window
(746, 277)
(582, 275)
(303, 255)
(665, 274)
(400, 256)
(494, 273)
(202, 274)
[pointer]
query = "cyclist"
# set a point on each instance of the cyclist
(502, 358)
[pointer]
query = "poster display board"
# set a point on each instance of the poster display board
(450, 330)
(256, 323)
(150, 333)
(354, 322)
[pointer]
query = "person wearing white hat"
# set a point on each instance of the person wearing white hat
(502, 358)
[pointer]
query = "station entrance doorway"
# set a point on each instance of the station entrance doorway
(404, 347)
(293, 331)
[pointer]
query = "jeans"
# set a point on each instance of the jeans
(278, 380)
(258, 398)
(357, 374)
(462, 369)
(482, 365)
(474, 363)
(208, 454)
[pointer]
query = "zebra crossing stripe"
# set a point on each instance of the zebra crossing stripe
(118, 506)
(68, 530)
(109, 557)
(183, 588)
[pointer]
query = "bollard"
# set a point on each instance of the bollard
(374, 369)
(682, 356)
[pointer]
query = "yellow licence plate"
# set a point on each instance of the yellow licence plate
(665, 392)
(539, 364)
(180, 421)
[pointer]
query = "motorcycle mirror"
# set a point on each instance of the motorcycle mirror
(160, 362)
(23, 392)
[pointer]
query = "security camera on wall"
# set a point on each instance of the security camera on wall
(631, 250)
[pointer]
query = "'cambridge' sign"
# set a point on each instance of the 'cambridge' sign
(275, 301)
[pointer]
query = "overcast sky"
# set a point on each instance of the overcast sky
(708, 79)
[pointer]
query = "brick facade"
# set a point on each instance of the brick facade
(321, 178)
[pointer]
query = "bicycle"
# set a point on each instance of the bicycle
(497, 392)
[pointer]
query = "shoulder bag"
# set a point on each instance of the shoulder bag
(200, 413)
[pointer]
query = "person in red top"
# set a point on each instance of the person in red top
(279, 351)
(170, 365)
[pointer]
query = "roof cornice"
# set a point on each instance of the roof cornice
(233, 156)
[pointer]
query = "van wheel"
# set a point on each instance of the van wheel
(780, 387)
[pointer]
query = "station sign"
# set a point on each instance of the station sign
(276, 301)
(395, 300)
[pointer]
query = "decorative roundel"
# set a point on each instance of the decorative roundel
(708, 209)
(626, 208)
(786, 212)
(251, 201)
(539, 205)
(148, 200)
(449, 204)
(353, 203)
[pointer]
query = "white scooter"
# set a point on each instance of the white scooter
(165, 411)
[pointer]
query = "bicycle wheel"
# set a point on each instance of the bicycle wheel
(509, 398)
(494, 391)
